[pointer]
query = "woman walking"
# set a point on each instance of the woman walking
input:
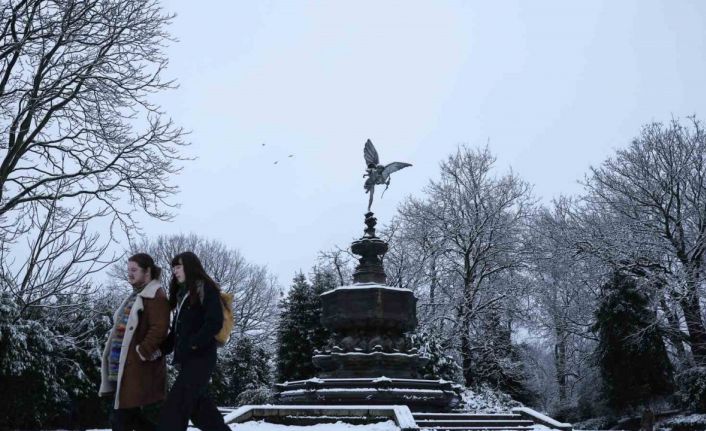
(198, 318)
(132, 369)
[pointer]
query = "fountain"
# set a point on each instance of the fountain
(368, 359)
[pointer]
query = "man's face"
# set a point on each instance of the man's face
(136, 276)
(178, 271)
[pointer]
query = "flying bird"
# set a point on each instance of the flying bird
(377, 173)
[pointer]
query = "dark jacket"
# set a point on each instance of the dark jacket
(195, 325)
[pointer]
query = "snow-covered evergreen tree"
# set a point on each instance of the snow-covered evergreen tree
(631, 353)
(26, 370)
(442, 364)
(496, 361)
(29, 374)
(299, 330)
(83, 334)
(242, 366)
(52, 371)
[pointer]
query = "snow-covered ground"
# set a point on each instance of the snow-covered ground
(471, 400)
(382, 426)
(338, 426)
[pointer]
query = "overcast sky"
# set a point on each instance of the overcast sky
(554, 87)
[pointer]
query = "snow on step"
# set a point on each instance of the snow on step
(468, 416)
(474, 423)
(339, 426)
(478, 429)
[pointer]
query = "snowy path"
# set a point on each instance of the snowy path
(338, 426)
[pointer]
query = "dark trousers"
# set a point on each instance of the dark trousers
(189, 399)
(135, 419)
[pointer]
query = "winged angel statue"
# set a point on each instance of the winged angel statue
(378, 174)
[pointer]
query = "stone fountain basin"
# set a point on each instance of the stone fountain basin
(418, 394)
(369, 305)
(358, 364)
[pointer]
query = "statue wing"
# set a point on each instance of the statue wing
(371, 154)
(393, 167)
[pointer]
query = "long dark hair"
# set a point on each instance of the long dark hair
(145, 261)
(194, 272)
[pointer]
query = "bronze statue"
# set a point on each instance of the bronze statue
(377, 174)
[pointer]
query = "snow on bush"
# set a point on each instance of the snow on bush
(694, 422)
(255, 396)
(484, 399)
(692, 388)
(597, 423)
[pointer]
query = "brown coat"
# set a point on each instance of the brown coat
(140, 382)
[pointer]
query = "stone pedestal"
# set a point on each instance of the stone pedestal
(368, 359)
(368, 322)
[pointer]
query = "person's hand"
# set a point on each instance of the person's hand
(156, 355)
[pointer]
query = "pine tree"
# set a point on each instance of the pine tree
(242, 366)
(496, 361)
(440, 364)
(631, 354)
(52, 366)
(29, 378)
(323, 280)
(299, 330)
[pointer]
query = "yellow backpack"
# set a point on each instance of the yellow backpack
(228, 320)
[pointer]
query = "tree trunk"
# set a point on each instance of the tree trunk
(674, 333)
(560, 364)
(432, 287)
(467, 306)
(466, 345)
(648, 420)
(697, 335)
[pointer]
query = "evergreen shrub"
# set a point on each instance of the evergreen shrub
(692, 388)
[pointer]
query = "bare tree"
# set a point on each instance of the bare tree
(338, 261)
(599, 234)
(416, 261)
(479, 221)
(74, 108)
(563, 292)
(81, 145)
(61, 253)
(655, 192)
(621, 245)
(254, 288)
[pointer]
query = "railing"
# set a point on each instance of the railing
(542, 419)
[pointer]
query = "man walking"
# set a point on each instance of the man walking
(133, 370)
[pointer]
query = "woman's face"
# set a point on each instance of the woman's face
(178, 271)
(137, 276)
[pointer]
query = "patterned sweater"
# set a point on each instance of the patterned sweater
(116, 342)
